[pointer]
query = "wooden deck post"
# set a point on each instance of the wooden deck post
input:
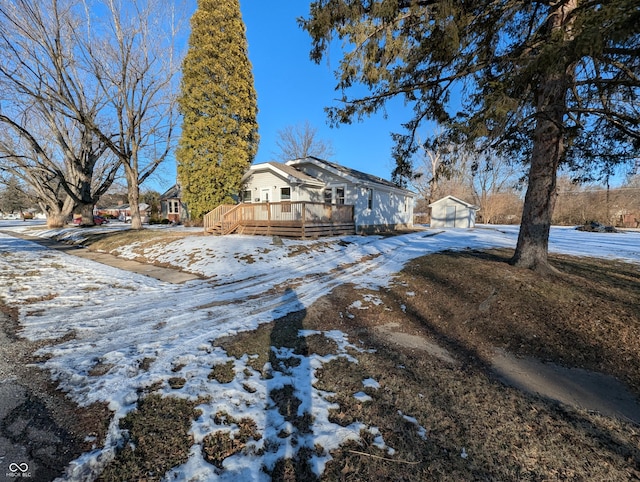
(268, 218)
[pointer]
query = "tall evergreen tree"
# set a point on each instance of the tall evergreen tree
(218, 101)
(553, 82)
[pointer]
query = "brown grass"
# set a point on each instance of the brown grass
(476, 427)
(158, 440)
(113, 241)
(222, 444)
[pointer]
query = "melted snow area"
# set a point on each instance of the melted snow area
(120, 321)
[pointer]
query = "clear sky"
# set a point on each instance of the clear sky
(292, 89)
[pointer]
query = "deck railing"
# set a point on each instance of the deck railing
(288, 214)
(213, 219)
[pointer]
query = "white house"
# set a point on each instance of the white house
(377, 204)
(451, 212)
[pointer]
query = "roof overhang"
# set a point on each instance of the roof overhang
(459, 201)
(299, 180)
(369, 183)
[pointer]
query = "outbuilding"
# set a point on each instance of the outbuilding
(451, 212)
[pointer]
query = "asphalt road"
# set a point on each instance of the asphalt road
(38, 426)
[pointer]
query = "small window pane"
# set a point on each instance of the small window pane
(285, 193)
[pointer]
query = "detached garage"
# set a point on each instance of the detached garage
(451, 212)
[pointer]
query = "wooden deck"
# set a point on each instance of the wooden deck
(288, 219)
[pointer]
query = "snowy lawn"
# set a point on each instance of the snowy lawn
(128, 333)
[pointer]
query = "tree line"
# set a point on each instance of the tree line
(496, 184)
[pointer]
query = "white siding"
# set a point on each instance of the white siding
(388, 209)
(268, 180)
(449, 213)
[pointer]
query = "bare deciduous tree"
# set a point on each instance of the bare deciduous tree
(136, 66)
(474, 176)
(494, 182)
(299, 141)
(99, 83)
(41, 84)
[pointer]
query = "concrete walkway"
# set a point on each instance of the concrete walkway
(574, 387)
(169, 275)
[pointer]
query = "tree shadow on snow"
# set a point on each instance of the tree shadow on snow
(288, 432)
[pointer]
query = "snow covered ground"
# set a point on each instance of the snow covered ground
(122, 320)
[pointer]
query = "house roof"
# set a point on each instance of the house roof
(352, 175)
(455, 199)
(172, 193)
(291, 174)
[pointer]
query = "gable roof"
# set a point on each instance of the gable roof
(171, 193)
(291, 174)
(351, 175)
(455, 199)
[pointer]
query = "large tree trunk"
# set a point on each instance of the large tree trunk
(533, 239)
(56, 220)
(86, 211)
(548, 150)
(58, 212)
(133, 191)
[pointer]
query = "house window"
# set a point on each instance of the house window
(328, 196)
(246, 196)
(339, 195)
(285, 193)
(369, 198)
(174, 206)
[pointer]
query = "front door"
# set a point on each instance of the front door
(265, 195)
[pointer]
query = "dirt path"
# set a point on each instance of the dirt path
(575, 387)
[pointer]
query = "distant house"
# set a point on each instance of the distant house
(374, 203)
(451, 212)
(172, 207)
(123, 212)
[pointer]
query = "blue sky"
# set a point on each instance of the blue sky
(292, 89)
